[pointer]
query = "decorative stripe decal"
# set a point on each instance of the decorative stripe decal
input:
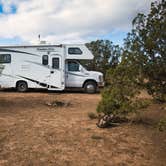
(21, 52)
(8, 75)
(77, 74)
(39, 83)
(36, 63)
(46, 66)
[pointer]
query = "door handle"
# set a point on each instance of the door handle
(52, 72)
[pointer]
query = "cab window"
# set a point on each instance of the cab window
(73, 66)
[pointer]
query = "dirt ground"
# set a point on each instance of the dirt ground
(32, 133)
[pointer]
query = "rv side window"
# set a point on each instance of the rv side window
(5, 58)
(55, 63)
(73, 66)
(45, 60)
(74, 50)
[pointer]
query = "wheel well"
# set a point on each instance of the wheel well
(90, 80)
(20, 81)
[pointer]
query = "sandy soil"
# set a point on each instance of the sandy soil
(35, 134)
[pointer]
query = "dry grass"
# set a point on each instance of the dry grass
(32, 133)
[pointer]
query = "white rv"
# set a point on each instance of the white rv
(53, 67)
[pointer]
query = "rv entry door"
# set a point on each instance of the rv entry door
(56, 73)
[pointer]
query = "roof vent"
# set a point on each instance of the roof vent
(43, 42)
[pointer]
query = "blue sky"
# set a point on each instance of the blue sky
(12, 10)
(1, 8)
(67, 21)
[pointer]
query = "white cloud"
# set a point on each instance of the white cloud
(68, 20)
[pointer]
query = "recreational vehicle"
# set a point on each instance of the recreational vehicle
(53, 67)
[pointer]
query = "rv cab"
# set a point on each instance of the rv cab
(76, 76)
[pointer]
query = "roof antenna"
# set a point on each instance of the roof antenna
(39, 37)
(41, 41)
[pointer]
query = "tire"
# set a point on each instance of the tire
(90, 87)
(22, 86)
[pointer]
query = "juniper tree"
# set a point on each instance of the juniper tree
(148, 41)
(143, 64)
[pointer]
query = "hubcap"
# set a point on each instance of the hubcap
(22, 86)
(90, 88)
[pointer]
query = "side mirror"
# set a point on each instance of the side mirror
(81, 69)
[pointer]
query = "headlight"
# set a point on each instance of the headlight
(101, 78)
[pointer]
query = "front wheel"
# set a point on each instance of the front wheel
(22, 86)
(90, 87)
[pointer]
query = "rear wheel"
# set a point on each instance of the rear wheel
(22, 86)
(90, 87)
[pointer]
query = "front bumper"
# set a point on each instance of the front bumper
(101, 84)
